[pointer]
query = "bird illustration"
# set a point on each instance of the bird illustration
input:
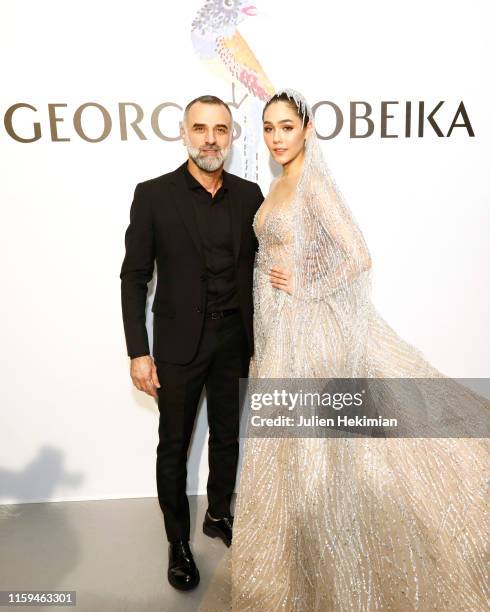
(224, 51)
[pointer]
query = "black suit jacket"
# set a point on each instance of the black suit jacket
(163, 228)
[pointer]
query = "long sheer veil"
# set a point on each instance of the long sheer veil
(332, 262)
(332, 266)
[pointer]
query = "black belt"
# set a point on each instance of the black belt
(221, 313)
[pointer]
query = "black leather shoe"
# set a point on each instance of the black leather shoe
(182, 571)
(221, 528)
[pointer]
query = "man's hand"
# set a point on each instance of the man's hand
(281, 278)
(144, 375)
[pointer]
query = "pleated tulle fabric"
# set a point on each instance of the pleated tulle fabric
(338, 523)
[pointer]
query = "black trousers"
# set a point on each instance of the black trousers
(222, 358)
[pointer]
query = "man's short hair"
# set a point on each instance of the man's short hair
(207, 99)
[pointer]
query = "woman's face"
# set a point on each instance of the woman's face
(284, 134)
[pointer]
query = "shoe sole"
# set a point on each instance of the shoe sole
(212, 532)
(184, 587)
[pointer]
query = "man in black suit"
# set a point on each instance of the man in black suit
(196, 222)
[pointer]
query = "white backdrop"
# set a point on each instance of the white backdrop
(72, 426)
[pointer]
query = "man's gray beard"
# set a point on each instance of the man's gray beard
(207, 163)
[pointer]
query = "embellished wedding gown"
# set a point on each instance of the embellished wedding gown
(348, 524)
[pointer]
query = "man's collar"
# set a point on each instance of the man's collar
(193, 183)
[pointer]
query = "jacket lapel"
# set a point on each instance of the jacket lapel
(235, 202)
(185, 207)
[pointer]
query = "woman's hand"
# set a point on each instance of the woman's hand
(281, 278)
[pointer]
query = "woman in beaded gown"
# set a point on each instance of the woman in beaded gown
(346, 523)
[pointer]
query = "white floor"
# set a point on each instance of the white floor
(113, 553)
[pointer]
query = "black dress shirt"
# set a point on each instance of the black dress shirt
(214, 225)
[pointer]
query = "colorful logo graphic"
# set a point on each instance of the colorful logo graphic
(224, 52)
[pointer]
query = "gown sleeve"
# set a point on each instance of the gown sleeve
(330, 251)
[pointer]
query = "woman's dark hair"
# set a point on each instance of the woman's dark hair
(283, 97)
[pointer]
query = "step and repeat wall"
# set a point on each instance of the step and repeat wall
(91, 98)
